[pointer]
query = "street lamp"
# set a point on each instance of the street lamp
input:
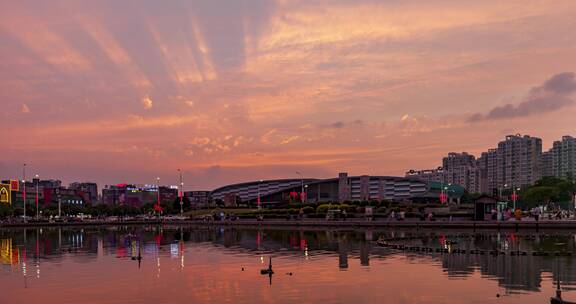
(305, 195)
(258, 202)
(302, 182)
(37, 177)
(158, 197)
(24, 188)
(500, 192)
(515, 196)
(181, 194)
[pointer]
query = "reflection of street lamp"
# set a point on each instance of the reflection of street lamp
(37, 177)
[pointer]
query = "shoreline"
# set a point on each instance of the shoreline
(481, 225)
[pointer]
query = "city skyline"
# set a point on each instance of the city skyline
(125, 92)
(459, 160)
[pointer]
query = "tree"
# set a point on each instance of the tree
(547, 190)
(541, 195)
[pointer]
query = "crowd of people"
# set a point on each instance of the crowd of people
(536, 213)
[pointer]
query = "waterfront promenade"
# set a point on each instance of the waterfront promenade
(351, 223)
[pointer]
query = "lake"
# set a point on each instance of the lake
(210, 264)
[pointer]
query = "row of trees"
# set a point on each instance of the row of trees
(545, 191)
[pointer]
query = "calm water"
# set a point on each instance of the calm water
(222, 265)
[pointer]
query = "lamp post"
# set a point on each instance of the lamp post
(37, 178)
(24, 189)
(59, 202)
(500, 191)
(181, 194)
(442, 194)
(258, 202)
(515, 196)
(158, 195)
(305, 195)
(302, 183)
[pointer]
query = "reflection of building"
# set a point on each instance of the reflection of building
(342, 188)
(343, 253)
(8, 254)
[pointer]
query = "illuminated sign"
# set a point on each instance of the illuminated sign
(5, 194)
(14, 185)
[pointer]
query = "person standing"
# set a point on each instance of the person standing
(518, 214)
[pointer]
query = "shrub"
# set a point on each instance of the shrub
(308, 210)
(325, 207)
(382, 210)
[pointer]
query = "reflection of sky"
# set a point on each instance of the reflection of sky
(214, 256)
(235, 90)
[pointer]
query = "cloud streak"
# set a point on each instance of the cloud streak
(552, 95)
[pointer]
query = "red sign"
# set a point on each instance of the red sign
(443, 198)
(14, 185)
(158, 208)
(515, 197)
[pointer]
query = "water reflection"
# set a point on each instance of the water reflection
(25, 252)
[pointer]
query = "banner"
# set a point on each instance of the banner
(14, 185)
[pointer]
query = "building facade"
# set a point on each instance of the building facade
(457, 168)
(560, 160)
(518, 161)
(138, 195)
(340, 189)
(198, 198)
(88, 190)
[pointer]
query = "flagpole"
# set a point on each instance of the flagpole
(24, 188)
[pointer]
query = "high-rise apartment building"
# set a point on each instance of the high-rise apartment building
(458, 168)
(518, 161)
(560, 160)
(487, 165)
(546, 162)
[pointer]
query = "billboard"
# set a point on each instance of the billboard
(5, 194)
(14, 185)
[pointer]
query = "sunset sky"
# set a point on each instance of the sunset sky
(238, 90)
